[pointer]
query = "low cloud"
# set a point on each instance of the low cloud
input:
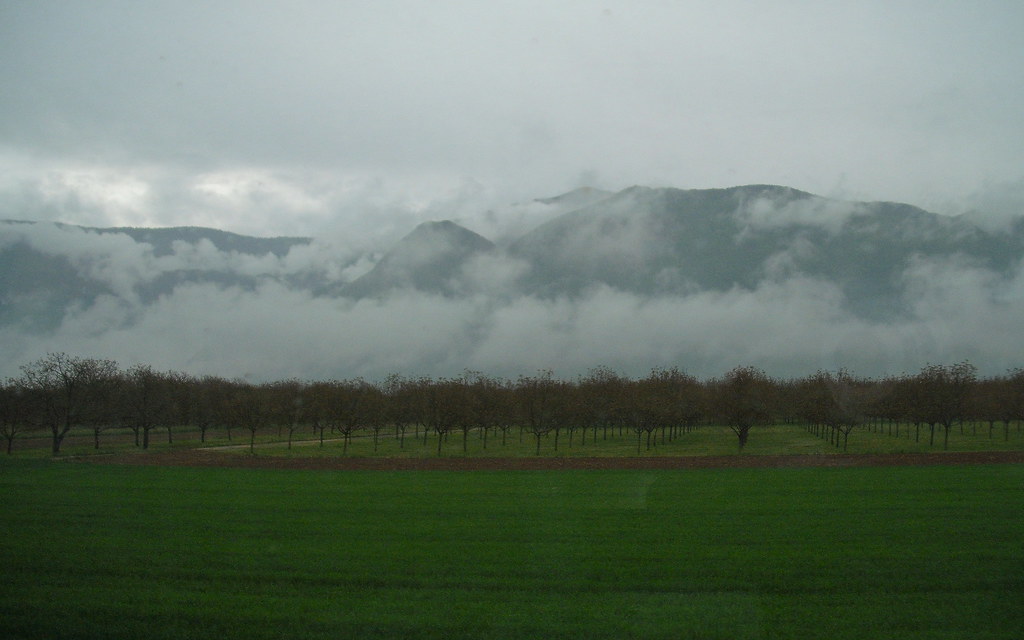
(277, 325)
(790, 328)
(761, 214)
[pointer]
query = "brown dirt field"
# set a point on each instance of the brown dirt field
(205, 458)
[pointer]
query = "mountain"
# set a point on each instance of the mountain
(430, 259)
(672, 242)
(50, 269)
(645, 242)
(163, 239)
(577, 198)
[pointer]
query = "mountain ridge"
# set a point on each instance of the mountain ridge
(646, 241)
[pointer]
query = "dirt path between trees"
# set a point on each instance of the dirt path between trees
(207, 458)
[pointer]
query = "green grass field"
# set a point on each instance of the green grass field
(102, 551)
(705, 440)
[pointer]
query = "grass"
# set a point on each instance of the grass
(705, 440)
(95, 551)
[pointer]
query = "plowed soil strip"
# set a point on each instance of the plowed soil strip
(201, 458)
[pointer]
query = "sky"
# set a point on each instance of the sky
(351, 122)
(319, 118)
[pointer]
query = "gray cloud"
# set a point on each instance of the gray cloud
(352, 122)
(286, 105)
(790, 324)
(789, 328)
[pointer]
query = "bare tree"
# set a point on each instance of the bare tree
(145, 400)
(849, 400)
(535, 399)
(284, 403)
(13, 411)
(344, 408)
(742, 400)
(63, 391)
(943, 393)
(249, 410)
(602, 388)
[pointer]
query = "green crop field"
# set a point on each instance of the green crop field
(104, 551)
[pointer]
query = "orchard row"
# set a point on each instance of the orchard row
(61, 392)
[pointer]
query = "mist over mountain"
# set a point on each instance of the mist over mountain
(674, 242)
(430, 259)
(700, 279)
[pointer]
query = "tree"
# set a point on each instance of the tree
(372, 411)
(672, 397)
(443, 408)
(64, 391)
(742, 400)
(944, 391)
(399, 405)
(601, 389)
(484, 403)
(13, 412)
(343, 408)
(145, 400)
(848, 400)
(249, 409)
(284, 401)
(535, 399)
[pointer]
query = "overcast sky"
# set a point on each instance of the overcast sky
(310, 117)
(353, 121)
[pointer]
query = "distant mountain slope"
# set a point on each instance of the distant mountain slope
(576, 198)
(672, 241)
(429, 259)
(51, 268)
(163, 239)
(644, 241)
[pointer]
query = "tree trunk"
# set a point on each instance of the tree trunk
(742, 434)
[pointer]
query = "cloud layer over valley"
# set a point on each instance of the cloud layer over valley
(205, 310)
